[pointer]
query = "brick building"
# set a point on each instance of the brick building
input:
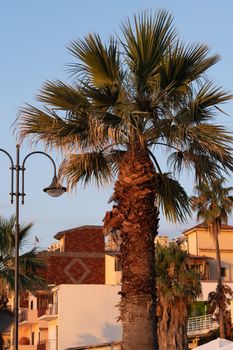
(78, 257)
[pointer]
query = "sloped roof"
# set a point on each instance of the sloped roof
(204, 257)
(86, 347)
(202, 225)
(60, 234)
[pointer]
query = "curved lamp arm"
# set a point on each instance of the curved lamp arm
(12, 174)
(54, 189)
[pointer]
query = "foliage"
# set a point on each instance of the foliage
(214, 202)
(221, 298)
(177, 287)
(131, 100)
(29, 262)
(148, 88)
(197, 308)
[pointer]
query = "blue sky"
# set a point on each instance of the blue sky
(34, 36)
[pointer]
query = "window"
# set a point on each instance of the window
(31, 304)
(223, 272)
(33, 338)
(118, 266)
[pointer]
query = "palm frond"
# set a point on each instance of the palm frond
(55, 131)
(63, 96)
(172, 198)
(145, 44)
(213, 202)
(85, 168)
(98, 63)
(181, 65)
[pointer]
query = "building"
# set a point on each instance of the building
(82, 315)
(77, 257)
(201, 245)
(81, 309)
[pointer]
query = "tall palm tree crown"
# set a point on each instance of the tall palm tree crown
(214, 202)
(130, 98)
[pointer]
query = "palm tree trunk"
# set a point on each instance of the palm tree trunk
(219, 286)
(172, 325)
(136, 217)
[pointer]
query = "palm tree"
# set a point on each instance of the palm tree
(221, 299)
(177, 287)
(130, 100)
(29, 263)
(213, 204)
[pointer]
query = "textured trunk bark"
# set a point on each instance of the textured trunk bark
(172, 325)
(219, 275)
(136, 218)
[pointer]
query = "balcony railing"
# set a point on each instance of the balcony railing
(52, 309)
(50, 313)
(41, 311)
(201, 324)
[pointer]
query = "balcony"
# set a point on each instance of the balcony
(201, 325)
(28, 316)
(50, 313)
(42, 345)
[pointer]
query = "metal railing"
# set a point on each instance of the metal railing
(201, 324)
(52, 309)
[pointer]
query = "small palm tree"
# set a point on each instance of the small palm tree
(221, 299)
(213, 204)
(130, 99)
(177, 287)
(29, 263)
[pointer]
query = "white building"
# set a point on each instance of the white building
(83, 314)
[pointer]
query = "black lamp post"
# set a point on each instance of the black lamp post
(55, 189)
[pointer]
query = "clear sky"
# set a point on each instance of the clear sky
(34, 36)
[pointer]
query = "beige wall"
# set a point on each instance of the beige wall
(192, 243)
(111, 276)
(200, 242)
(52, 335)
(87, 314)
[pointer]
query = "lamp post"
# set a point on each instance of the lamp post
(55, 189)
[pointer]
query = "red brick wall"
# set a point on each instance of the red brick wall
(86, 239)
(83, 258)
(62, 269)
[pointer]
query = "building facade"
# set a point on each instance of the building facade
(80, 300)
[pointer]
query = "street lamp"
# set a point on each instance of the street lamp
(55, 189)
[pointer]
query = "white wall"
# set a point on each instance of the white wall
(87, 315)
(52, 334)
(208, 287)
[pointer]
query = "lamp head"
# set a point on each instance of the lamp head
(55, 189)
